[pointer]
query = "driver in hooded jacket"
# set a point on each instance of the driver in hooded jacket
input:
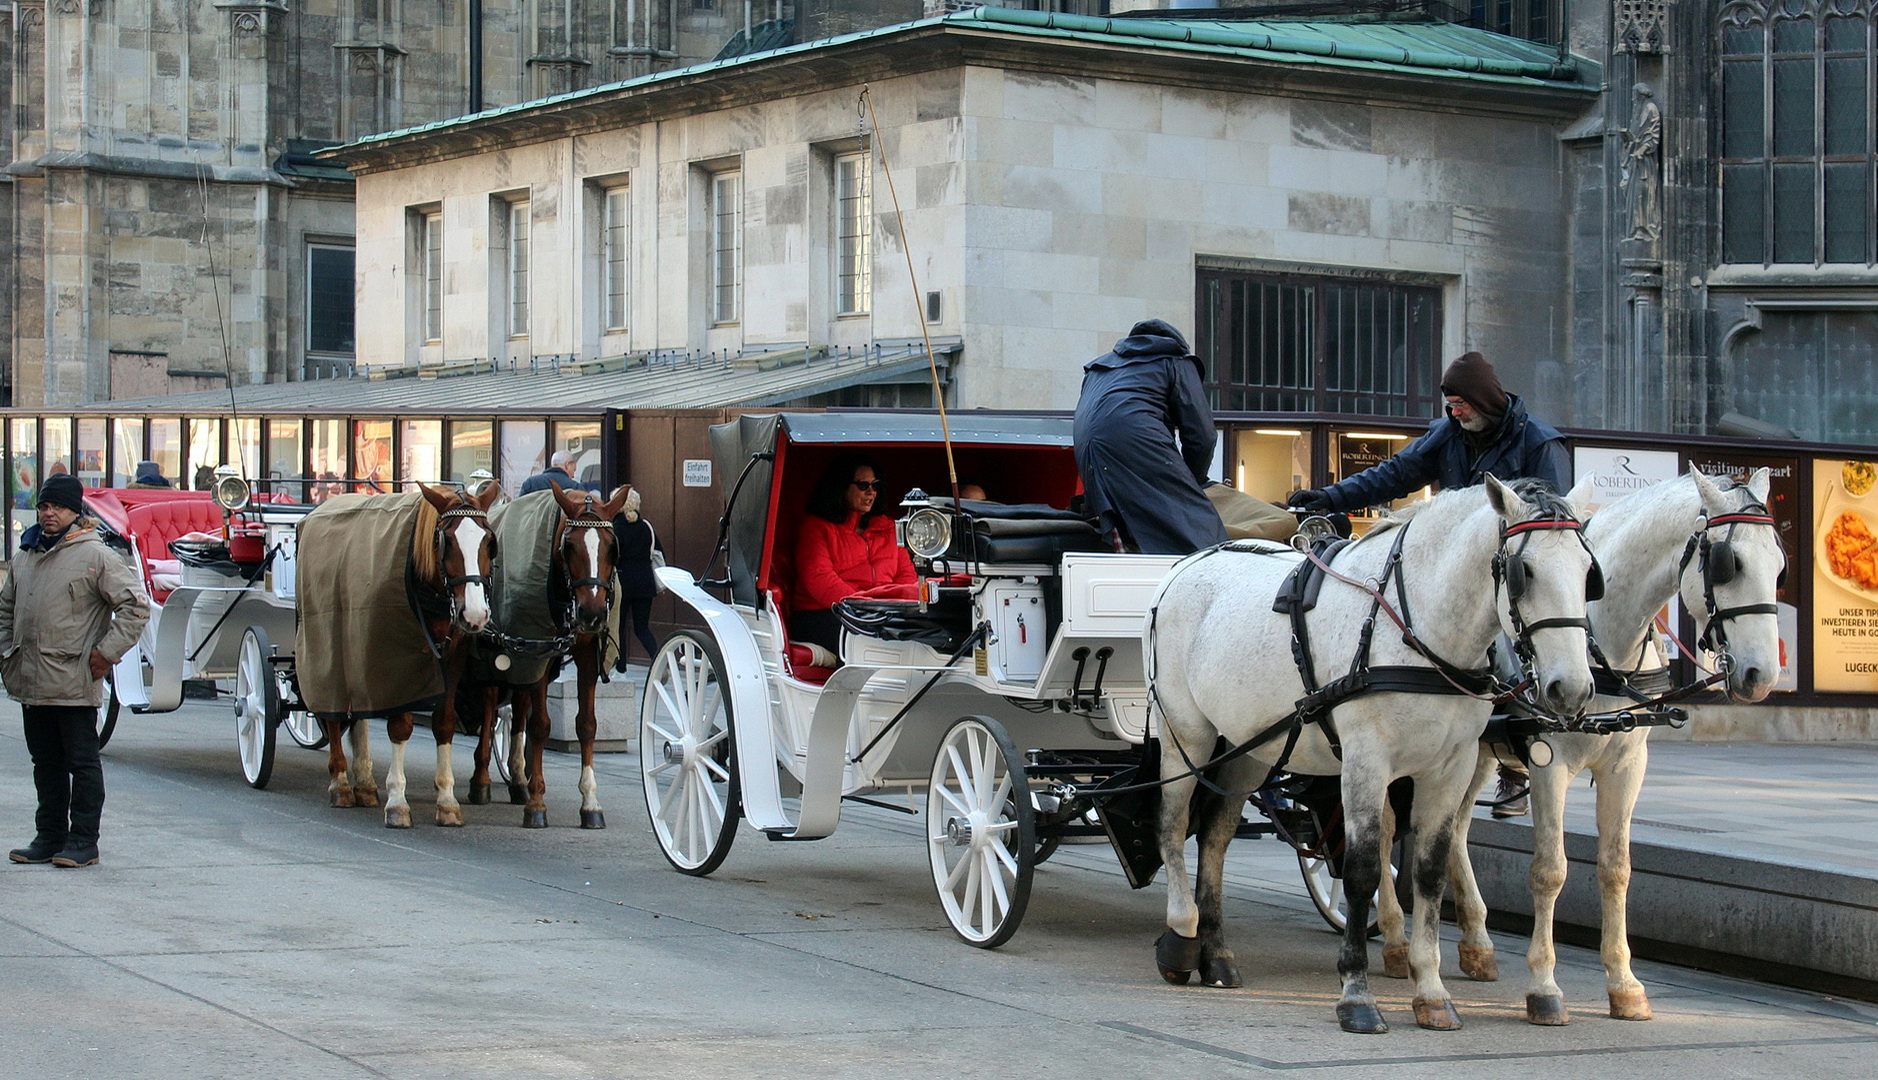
(1135, 400)
(1484, 430)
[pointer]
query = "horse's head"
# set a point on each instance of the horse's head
(588, 551)
(1731, 572)
(1543, 575)
(464, 548)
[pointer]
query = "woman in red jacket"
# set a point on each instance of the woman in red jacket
(844, 548)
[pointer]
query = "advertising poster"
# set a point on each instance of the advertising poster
(1845, 576)
(1783, 501)
(1616, 473)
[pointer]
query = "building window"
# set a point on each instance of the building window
(433, 278)
(1798, 166)
(854, 234)
(329, 299)
(726, 208)
(518, 269)
(615, 242)
(1534, 20)
(1296, 343)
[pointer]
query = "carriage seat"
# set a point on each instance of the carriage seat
(153, 525)
(994, 532)
(799, 660)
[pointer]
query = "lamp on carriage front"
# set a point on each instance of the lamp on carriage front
(926, 531)
(231, 492)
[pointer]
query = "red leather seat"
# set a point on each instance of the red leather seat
(154, 524)
(800, 661)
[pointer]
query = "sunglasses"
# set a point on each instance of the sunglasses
(866, 485)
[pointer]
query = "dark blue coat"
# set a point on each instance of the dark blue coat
(541, 481)
(1134, 401)
(1521, 447)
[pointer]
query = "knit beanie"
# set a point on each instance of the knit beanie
(1473, 380)
(63, 490)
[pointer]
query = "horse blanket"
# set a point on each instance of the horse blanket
(360, 648)
(525, 604)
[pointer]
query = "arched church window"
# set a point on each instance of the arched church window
(1798, 169)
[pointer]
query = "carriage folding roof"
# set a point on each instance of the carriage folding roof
(733, 444)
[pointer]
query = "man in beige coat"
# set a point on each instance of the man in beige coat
(69, 610)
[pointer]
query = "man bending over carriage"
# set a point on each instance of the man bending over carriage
(1485, 430)
(1147, 486)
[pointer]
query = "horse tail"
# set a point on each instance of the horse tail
(423, 551)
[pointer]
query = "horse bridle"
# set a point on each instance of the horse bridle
(1719, 564)
(1509, 571)
(451, 582)
(574, 585)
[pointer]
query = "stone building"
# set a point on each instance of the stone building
(1335, 206)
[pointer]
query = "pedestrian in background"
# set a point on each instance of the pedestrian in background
(69, 610)
(637, 556)
(149, 476)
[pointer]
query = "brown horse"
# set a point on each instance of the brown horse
(580, 592)
(452, 548)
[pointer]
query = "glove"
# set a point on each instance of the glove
(1313, 500)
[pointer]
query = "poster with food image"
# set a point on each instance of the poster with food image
(1845, 576)
(1783, 502)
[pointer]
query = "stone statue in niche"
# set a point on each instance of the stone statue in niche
(1642, 170)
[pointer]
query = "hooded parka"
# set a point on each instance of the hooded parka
(1135, 400)
(58, 605)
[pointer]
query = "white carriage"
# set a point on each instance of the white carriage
(219, 569)
(998, 699)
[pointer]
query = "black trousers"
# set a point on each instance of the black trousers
(63, 742)
(642, 626)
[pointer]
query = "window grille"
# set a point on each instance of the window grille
(854, 234)
(726, 247)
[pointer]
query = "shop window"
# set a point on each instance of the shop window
(1302, 343)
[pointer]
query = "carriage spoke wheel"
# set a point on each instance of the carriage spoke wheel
(1325, 886)
(981, 832)
(687, 754)
(501, 734)
(257, 707)
(302, 726)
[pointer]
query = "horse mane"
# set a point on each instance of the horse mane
(1541, 494)
(423, 551)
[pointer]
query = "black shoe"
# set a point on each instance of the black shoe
(1510, 798)
(75, 855)
(34, 852)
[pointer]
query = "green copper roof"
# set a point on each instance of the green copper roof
(1359, 43)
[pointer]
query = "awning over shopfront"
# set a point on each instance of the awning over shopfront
(754, 379)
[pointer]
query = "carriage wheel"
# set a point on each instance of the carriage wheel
(981, 831)
(687, 754)
(108, 709)
(1325, 885)
(501, 731)
(302, 726)
(257, 707)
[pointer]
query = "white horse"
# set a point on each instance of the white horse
(1719, 548)
(1222, 667)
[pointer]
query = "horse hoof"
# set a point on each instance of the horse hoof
(1361, 1018)
(452, 819)
(479, 794)
(397, 817)
(341, 799)
(1631, 1005)
(1395, 961)
(1437, 1015)
(534, 819)
(518, 795)
(1546, 1010)
(365, 798)
(1176, 955)
(1220, 973)
(1478, 963)
(593, 819)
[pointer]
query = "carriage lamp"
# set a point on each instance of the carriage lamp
(926, 531)
(230, 491)
(478, 481)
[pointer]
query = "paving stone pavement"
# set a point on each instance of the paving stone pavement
(239, 933)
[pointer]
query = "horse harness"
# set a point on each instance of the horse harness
(432, 604)
(1297, 596)
(1719, 565)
